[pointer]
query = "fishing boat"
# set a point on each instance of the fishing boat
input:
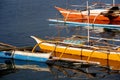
(12, 52)
(80, 46)
(102, 16)
(77, 48)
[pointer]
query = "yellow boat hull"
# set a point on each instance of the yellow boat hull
(105, 57)
(102, 54)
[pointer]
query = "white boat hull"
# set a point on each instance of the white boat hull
(25, 55)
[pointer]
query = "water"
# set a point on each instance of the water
(24, 70)
(19, 19)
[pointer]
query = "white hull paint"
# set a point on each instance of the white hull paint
(25, 55)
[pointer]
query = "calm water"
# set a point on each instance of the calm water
(19, 19)
(26, 70)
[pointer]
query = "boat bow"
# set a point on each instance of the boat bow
(38, 40)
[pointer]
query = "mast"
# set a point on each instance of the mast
(88, 21)
(113, 2)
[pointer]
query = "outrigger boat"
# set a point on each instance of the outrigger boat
(23, 54)
(104, 15)
(77, 48)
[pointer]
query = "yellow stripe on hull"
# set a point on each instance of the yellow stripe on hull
(102, 54)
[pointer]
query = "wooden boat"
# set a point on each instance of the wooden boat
(25, 55)
(78, 49)
(106, 15)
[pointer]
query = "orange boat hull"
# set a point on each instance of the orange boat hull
(78, 16)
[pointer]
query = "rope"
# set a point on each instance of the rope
(90, 55)
(63, 52)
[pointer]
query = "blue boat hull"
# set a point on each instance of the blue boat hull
(31, 58)
(22, 55)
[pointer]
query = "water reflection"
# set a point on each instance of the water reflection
(54, 70)
(6, 68)
(10, 64)
(19, 67)
(79, 71)
(83, 30)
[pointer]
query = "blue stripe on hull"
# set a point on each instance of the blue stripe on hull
(31, 58)
(8, 54)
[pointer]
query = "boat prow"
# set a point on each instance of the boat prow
(60, 9)
(38, 40)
